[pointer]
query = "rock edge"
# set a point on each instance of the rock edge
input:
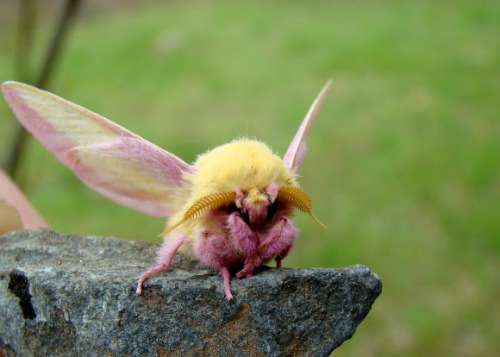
(74, 295)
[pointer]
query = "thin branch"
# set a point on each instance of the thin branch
(57, 42)
(20, 136)
(26, 27)
(25, 39)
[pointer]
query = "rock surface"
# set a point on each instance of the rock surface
(74, 295)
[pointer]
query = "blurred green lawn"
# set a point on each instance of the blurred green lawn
(403, 163)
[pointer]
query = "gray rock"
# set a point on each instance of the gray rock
(75, 295)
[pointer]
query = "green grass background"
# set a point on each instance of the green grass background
(403, 163)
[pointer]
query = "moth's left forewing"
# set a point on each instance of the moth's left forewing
(297, 150)
(296, 154)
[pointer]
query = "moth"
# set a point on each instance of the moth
(231, 209)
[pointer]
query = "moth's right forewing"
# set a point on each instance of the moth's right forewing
(107, 157)
(132, 172)
(59, 124)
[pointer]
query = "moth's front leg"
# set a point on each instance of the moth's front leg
(277, 244)
(242, 233)
(246, 238)
(165, 255)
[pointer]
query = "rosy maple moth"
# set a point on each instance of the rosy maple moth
(231, 209)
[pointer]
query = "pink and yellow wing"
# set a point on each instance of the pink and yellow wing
(297, 150)
(107, 157)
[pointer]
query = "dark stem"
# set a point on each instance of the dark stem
(20, 136)
(25, 32)
(57, 41)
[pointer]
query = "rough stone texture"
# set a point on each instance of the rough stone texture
(74, 295)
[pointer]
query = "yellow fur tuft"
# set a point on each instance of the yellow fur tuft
(243, 164)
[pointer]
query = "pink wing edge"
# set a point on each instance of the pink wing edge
(297, 150)
(172, 167)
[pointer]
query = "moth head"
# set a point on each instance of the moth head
(289, 195)
(256, 197)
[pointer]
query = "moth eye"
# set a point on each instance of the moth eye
(271, 210)
(272, 191)
(298, 198)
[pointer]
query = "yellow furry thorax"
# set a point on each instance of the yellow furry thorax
(241, 164)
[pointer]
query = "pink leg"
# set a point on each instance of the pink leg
(165, 255)
(279, 240)
(239, 230)
(227, 282)
(282, 256)
(246, 238)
